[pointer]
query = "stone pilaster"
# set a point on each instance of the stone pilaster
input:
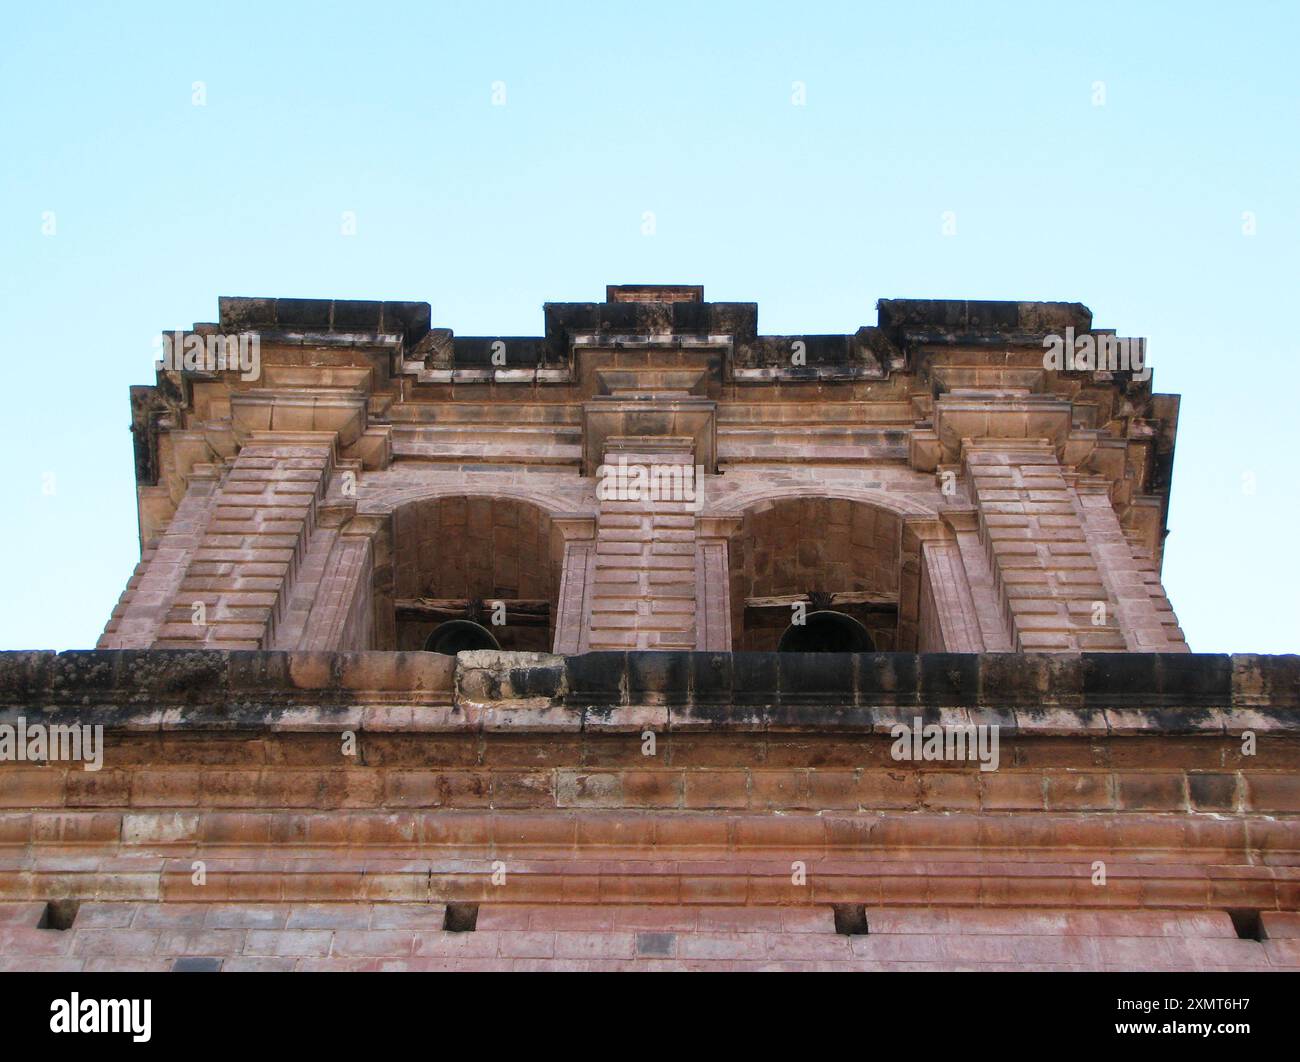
(250, 550)
(713, 583)
(342, 604)
(1145, 618)
(576, 585)
(644, 585)
(145, 607)
(991, 615)
(947, 608)
(1037, 546)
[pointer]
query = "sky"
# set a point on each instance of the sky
(1143, 159)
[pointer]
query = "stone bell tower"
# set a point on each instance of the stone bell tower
(932, 483)
(561, 651)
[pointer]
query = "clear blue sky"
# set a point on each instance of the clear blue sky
(611, 110)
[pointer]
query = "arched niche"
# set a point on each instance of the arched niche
(817, 554)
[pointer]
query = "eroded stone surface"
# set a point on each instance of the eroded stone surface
(620, 772)
(930, 477)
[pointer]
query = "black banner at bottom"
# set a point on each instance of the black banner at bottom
(569, 1011)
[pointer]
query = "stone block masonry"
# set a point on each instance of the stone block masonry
(522, 786)
(334, 738)
(644, 579)
(929, 478)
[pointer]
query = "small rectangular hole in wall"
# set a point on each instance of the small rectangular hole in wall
(59, 914)
(197, 964)
(460, 917)
(1245, 921)
(850, 919)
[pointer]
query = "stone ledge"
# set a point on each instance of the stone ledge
(748, 878)
(1088, 694)
(237, 684)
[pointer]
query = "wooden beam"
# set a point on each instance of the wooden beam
(873, 600)
(520, 612)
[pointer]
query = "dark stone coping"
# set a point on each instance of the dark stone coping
(1095, 680)
(934, 320)
(410, 319)
(976, 315)
(1096, 693)
(179, 677)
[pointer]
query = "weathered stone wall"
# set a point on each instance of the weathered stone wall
(302, 803)
(536, 769)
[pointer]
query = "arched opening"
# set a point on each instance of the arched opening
(489, 564)
(459, 636)
(826, 632)
(816, 556)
